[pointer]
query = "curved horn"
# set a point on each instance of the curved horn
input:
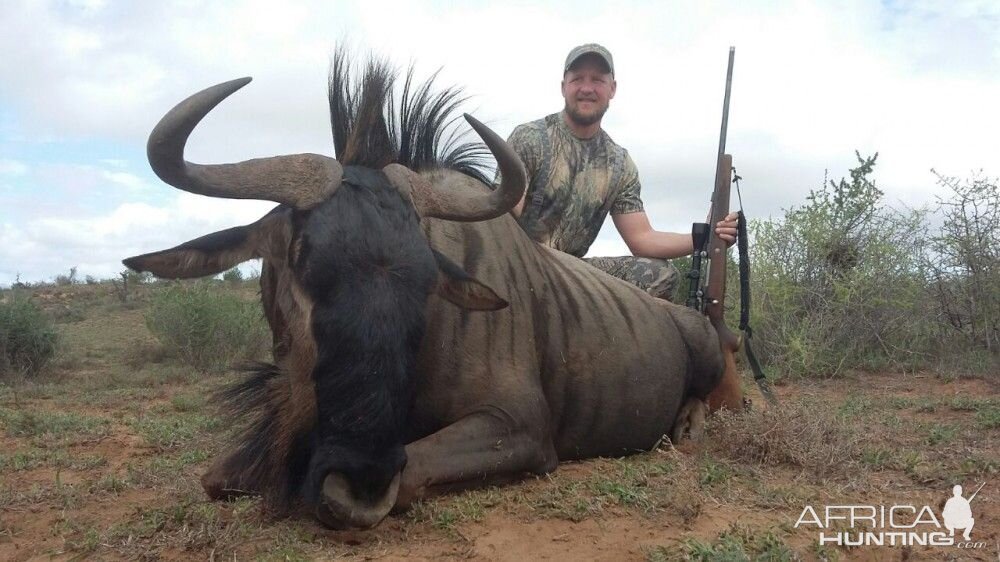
(461, 198)
(299, 180)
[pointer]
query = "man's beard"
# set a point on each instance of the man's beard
(582, 119)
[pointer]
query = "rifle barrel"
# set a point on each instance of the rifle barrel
(722, 143)
(725, 104)
(976, 492)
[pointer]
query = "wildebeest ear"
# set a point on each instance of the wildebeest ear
(217, 252)
(458, 288)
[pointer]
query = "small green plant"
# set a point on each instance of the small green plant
(46, 425)
(111, 484)
(978, 465)
(941, 434)
(713, 473)
(736, 544)
(207, 327)
(446, 513)
(855, 406)
(908, 461)
(187, 402)
(629, 493)
(35, 457)
(900, 402)
(88, 540)
(968, 404)
(988, 418)
(173, 431)
(877, 458)
(27, 337)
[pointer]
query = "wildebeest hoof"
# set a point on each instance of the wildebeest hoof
(690, 421)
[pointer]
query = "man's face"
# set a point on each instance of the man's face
(588, 88)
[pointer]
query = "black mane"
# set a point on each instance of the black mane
(370, 129)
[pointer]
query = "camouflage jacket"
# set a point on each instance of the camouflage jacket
(572, 183)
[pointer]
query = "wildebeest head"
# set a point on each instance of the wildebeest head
(347, 274)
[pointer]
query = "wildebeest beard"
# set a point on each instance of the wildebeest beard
(368, 271)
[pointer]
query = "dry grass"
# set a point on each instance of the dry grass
(810, 435)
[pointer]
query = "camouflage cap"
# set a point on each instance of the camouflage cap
(590, 48)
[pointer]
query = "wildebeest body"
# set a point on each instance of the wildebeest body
(581, 364)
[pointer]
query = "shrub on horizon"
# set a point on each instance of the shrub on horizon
(207, 327)
(27, 337)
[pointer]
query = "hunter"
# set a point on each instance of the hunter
(577, 175)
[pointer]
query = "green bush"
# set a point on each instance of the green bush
(234, 276)
(964, 261)
(206, 326)
(70, 279)
(845, 281)
(27, 337)
(840, 283)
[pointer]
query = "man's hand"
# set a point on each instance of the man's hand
(726, 228)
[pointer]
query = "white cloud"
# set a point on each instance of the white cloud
(70, 187)
(125, 179)
(89, 5)
(77, 42)
(609, 244)
(10, 167)
(38, 250)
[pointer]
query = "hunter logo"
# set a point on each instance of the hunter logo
(957, 512)
(896, 525)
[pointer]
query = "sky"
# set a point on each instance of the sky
(82, 83)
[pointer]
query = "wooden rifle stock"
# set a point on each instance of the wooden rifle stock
(728, 394)
(715, 292)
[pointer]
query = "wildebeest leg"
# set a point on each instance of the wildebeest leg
(480, 449)
(690, 421)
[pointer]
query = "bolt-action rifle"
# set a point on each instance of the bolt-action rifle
(707, 293)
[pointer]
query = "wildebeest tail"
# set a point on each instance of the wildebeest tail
(270, 454)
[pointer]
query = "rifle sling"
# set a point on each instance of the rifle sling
(758, 373)
(741, 244)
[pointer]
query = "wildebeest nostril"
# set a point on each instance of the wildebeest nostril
(340, 508)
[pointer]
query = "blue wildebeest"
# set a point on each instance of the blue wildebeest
(422, 342)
